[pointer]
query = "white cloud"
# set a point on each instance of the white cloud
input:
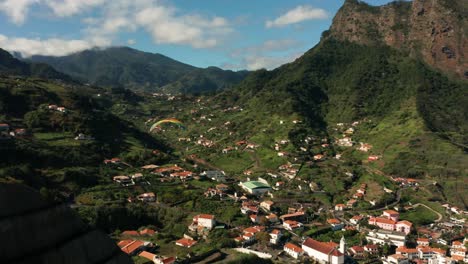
(63, 8)
(297, 15)
(52, 47)
(131, 42)
(167, 27)
(165, 23)
(269, 62)
(17, 10)
(267, 55)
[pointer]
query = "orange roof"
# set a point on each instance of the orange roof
(204, 216)
(404, 222)
(292, 215)
(357, 217)
(321, 247)
(148, 255)
(331, 244)
(423, 239)
(458, 258)
(397, 256)
(340, 205)
(391, 212)
(123, 243)
(333, 221)
(275, 232)
(132, 246)
(185, 242)
(373, 247)
(147, 231)
(457, 243)
(254, 229)
(381, 220)
(404, 249)
(130, 233)
(357, 249)
(293, 247)
(168, 260)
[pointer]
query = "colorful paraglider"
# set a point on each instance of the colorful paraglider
(157, 125)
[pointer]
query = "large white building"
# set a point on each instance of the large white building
(387, 237)
(255, 187)
(322, 252)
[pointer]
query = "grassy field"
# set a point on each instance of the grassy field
(419, 216)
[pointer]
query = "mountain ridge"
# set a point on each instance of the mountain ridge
(134, 69)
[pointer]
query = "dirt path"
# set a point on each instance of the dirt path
(203, 162)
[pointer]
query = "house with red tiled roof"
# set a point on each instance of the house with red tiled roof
(183, 175)
(335, 224)
(397, 259)
(294, 216)
(422, 241)
(133, 247)
(293, 250)
(157, 259)
(273, 218)
(322, 252)
(391, 214)
(207, 221)
(248, 234)
(267, 205)
(340, 207)
(356, 251)
(275, 236)
(185, 242)
(147, 232)
(355, 219)
(147, 197)
(371, 249)
(130, 233)
(291, 225)
(410, 253)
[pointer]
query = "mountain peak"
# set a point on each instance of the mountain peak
(432, 30)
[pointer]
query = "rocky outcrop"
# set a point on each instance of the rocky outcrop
(434, 30)
(35, 231)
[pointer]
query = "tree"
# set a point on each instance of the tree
(263, 238)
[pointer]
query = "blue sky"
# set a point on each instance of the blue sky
(233, 34)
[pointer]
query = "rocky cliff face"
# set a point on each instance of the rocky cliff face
(435, 30)
(35, 231)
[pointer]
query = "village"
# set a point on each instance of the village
(287, 230)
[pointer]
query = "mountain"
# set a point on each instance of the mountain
(49, 155)
(412, 113)
(133, 69)
(435, 31)
(11, 66)
(48, 232)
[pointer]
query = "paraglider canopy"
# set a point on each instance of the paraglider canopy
(168, 120)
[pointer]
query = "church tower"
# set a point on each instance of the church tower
(343, 245)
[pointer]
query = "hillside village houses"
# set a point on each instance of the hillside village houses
(389, 221)
(202, 221)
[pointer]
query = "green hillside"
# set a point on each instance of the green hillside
(133, 69)
(12, 66)
(414, 117)
(49, 155)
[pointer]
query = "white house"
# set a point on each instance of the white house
(275, 236)
(293, 250)
(322, 252)
(204, 220)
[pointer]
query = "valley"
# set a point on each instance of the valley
(355, 151)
